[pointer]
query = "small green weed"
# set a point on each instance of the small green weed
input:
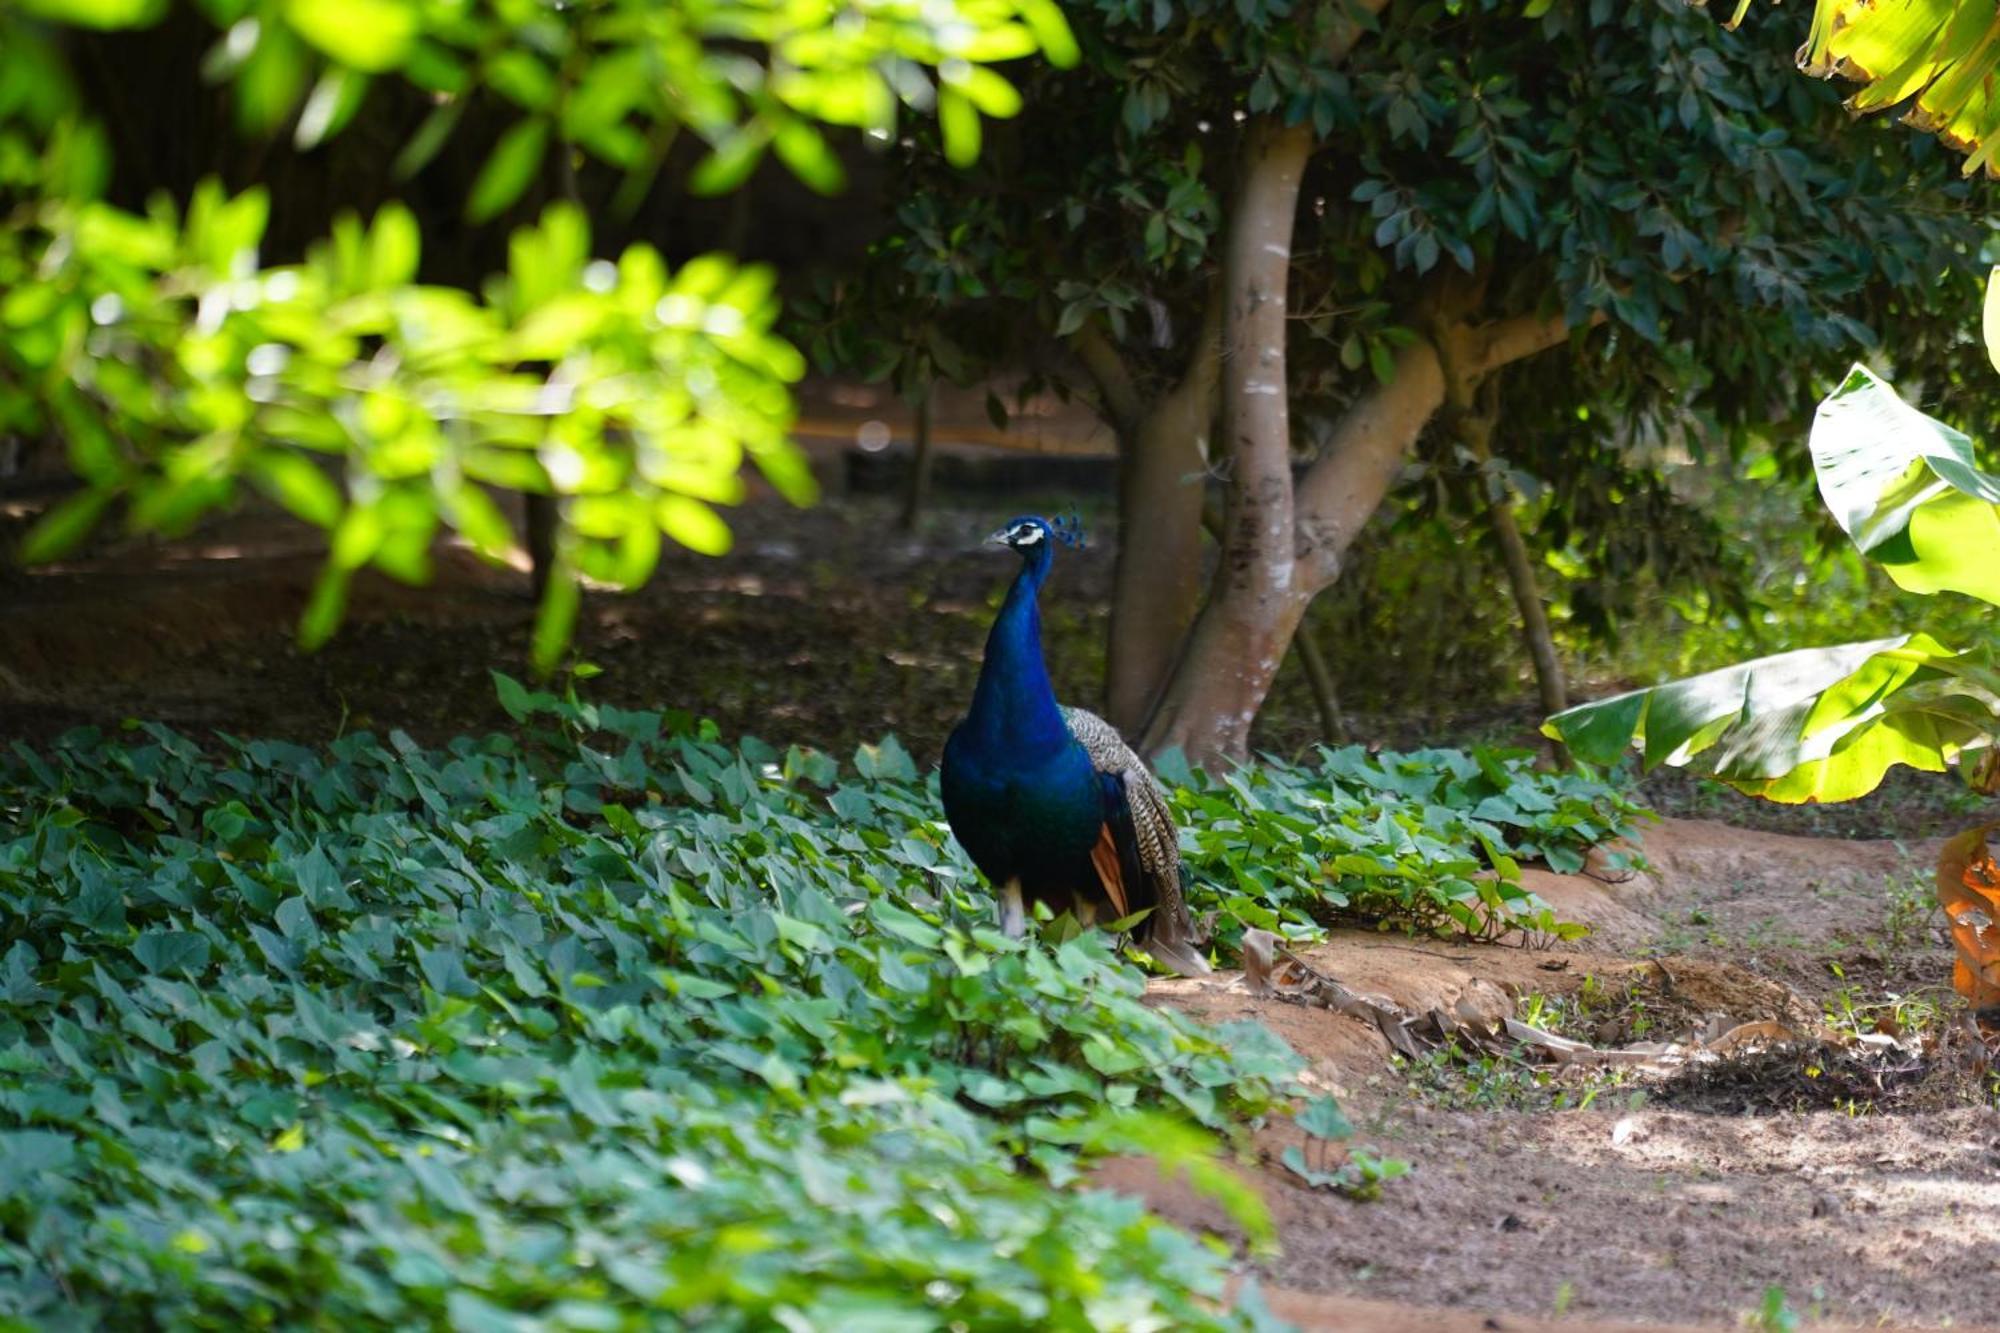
(1775, 1315)
(1356, 1172)
(1457, 1078)
(1912, 907)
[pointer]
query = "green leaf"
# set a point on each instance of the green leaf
(57, 532)
(1052, 31)
(959, 123)
(329, 107)
(514, 162)
(1821, 724)
(430, 136)
(1907, 490)
(693, 524)
(325, 608)
(106, 14)
(169, 951)
(732, 160)
(368, 35)
(805, 151)
(555, 621)
(513, 695)
(1989, 323)
(1322, 1118)
(297, 483)
(394, 245)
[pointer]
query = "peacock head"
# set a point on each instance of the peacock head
(1033, 536)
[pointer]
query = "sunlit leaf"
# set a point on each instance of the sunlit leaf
(97, 13)
(368, 35)
(394, 244)
(508, 170)
(1820, 724)
(1908, 490)
(329, 107)
(959, 123)
(297, 483)
(555, 621)
(59, 531)
(801, 147)
(1990, 318)
(693, 524)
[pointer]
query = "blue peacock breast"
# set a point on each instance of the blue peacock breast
(1031, 819)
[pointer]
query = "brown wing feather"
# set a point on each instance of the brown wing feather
(1170, 932)
(1104, 858)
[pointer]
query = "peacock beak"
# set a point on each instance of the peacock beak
(999, 539)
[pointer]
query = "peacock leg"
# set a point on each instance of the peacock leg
(1013, 914)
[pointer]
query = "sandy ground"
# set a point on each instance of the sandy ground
(1884, 1213)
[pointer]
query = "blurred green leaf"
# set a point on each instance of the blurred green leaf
(297, 483)
(959, 123)
(512, 165)
(97, 13)
(369, 35)
(58, 532)
(693, 524)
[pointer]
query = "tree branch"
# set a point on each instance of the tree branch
(1487, 347)
(1340, 491)
(1346, 33)
(1117, 391)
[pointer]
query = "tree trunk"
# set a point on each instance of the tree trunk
(538, 518)
(538, 509)
(918, 493)
(1476, 433)
(1162, 482)
(1528, 597)
(1255, 602)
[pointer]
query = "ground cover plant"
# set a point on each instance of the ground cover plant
(1429, 840)
(602, 1023)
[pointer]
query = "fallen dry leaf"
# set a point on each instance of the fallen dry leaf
(1968, 882)
(1762, 1030)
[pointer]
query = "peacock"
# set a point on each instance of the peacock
(1049, 802)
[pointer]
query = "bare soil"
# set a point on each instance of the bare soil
(1869, 1193)
(1869, 1200)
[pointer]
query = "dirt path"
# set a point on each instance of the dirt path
(1660, 1201)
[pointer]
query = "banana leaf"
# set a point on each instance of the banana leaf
(1907, 490)
(1815, 724)
(1934, 58)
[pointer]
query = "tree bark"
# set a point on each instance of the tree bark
(538, 518)
(1476, 433)
(1255, 601)
(918, 493)
(1162, 478)
(1528, 597)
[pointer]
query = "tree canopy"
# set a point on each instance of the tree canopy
(1423, 194)
(177, 366)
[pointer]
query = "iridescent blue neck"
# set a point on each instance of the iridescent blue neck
(1014, 709)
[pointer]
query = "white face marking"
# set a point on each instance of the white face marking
(1025, 534)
